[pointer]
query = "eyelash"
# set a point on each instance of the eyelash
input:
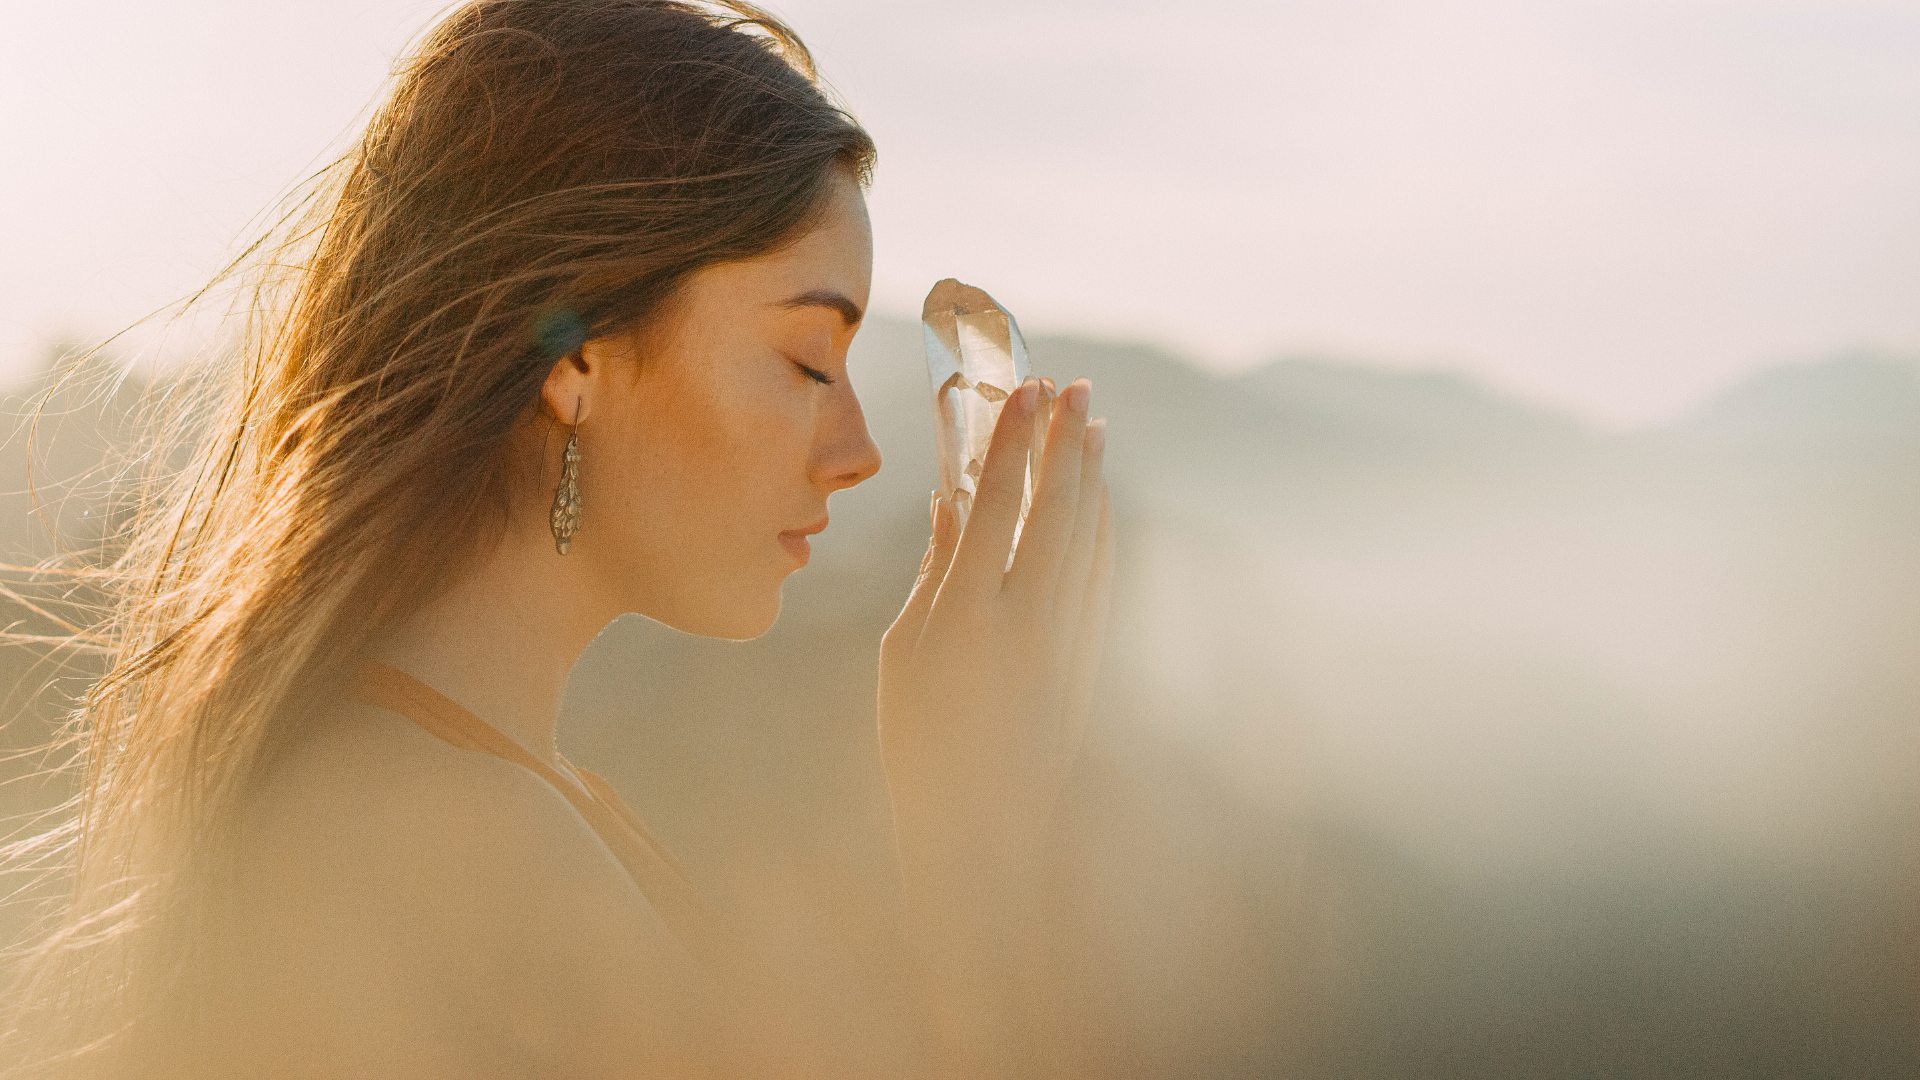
(815, 374)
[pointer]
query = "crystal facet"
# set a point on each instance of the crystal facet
(975, 358)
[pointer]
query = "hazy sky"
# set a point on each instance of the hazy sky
(1615, 205)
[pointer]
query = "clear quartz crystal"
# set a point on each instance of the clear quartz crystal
(975, 358)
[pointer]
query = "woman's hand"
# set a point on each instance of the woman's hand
(984, 685)
(985, 676)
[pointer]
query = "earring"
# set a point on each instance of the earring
(566, 497)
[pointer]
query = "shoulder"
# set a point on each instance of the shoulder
(370, 789)
(443, 906)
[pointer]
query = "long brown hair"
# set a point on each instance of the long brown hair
(543, 172)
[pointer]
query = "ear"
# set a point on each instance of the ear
(580, 378)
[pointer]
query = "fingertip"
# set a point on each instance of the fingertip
(1097, 435)
(1079, 395)
(1027, 396)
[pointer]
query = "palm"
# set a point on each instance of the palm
(985, 676)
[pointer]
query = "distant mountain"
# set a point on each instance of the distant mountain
(1440, 735)
(1859, 398)
(1411, 409)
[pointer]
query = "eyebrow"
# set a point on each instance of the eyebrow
(850, 312)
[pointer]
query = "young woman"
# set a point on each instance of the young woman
(564, 338)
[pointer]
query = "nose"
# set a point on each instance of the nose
(844, 454)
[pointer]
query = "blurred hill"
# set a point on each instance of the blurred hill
(1439, 735)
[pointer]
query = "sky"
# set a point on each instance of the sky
(1616, 208)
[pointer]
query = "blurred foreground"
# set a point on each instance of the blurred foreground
(1439, 737)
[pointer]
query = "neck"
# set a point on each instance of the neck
(502, 640)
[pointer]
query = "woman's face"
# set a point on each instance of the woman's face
(713, 437)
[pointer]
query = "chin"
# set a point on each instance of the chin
(730, 618)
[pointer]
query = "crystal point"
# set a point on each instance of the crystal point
(975, 359)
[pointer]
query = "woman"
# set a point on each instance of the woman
(565, 339)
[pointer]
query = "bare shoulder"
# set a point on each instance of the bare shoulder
(372, 789)
(408, 907)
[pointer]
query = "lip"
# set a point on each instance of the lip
(795, 540)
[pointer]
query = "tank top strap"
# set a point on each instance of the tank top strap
(652, 867)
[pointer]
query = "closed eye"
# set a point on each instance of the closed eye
(815, 374)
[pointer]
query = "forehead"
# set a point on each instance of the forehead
(835, 257)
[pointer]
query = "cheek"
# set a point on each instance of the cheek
(727, 457)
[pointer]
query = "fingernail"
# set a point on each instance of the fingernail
(1096, 435)
(1048, 383)
(1078, 395)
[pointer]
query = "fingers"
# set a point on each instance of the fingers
(1070, 589)
(905, 631)
(1048, 533)
(1091, 635)
(1042, 417)
(982, 556)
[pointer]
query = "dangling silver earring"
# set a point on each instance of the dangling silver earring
(566, 497)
